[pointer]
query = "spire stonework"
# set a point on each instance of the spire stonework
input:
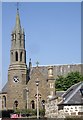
(18, 52)
(18, 25)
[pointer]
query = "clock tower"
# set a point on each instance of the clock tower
(17, 72)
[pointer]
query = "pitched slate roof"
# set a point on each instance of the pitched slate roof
(59, 69)
(73, 95)
(60, 93)
(4, 89)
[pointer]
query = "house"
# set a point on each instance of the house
(67, 103)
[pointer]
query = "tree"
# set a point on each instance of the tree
(62, 83)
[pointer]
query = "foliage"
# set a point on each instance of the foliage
(26, 111)
(42, 112)
(6, 113)
(30, 112)
(62, 83)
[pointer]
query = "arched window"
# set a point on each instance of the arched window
(32, 104)
(21, 56)
(43, 104)
(16, 104)
(16, 56)
(4, 102)
(11, 56)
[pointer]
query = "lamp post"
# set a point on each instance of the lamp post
(37, 84)
(27, 91)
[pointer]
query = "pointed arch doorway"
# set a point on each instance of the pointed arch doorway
(32, 104)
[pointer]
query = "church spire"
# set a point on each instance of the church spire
(17, 25)
(18, 42)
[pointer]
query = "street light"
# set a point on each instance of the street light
(37, 84)
(27, 91)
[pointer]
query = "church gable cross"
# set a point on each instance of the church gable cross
(37, 63)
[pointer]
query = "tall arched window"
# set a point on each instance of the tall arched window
(16, 56)
(21, 56)
(43, 104)
(32, 104)
(16, 104)
(11, 56)
(4, 101)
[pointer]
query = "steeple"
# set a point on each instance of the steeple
(17, 72)
(18, 52)
(17, 25)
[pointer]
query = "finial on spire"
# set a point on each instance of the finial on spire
(17, 6)
(18, 25)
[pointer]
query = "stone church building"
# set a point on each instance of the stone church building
(20, 91)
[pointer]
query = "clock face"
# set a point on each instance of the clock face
(15, 79)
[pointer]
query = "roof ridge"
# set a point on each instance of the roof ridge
(73, 93)
(68, 90)
(58, 65)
